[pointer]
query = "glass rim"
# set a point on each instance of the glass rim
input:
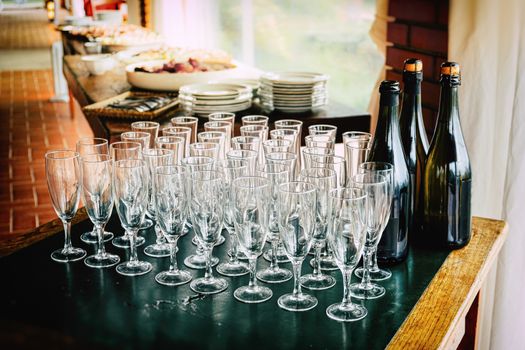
(360, 133)
(217, 124)
(145, 124)
(225, 114)
(255, 117)
(268, 142)
(122, 144)
(170, 139)
(104, 141)
(255, 127)
(221, 134)
(310, 187)
(182, 129)
(381, 178)
(290, 122)
(308, 150)
(158, 152)
(328, 127)
(248, 139)
(143, 133)
(285, 132)
(345, 189)
(349, 145)
(184, 120)
(266, 182)
(205, 145)
(72, 154)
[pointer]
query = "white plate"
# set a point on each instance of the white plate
(214, 91)
(173, 81)
(294, 78)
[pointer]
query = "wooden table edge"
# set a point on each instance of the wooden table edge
(405, 334)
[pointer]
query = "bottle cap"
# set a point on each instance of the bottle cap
(450, 68)
(389, 86)
(413, 65)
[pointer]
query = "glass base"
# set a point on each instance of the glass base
(67, 255)
(297, 302)
(158, 250)
(317, 282)
(146, 223)
(274, 275)
(281, 256)
(98, 262)
(327, 264)
(346, 313)
(211, 285)
(90, 237)
(135, 268)
(373, 291)
(377, 275)
(123, 241)
(233, 269)
(220, 241)
(173, 278)
(198, 262)
(253, 294)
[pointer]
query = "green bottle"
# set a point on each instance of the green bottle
(447, 179)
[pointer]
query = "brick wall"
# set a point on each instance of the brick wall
(419, 29)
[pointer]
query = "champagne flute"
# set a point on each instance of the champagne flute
(216, 137)
(346, 237)
(180, 131)
(321, 141)
(297, 207)
(86, 146)
(248, 155)
(63, 175)
(325, 181)
(170, 199)
(323, 129)
(152, 128)
(277, 174)
(356, 152)
(188, 122)
(174, 143)
(130, 191)
(229, 170)
(376, 188)
(224, 117)
(387, 170)
(97, 172)
(204, 149)
(144, 138)
(251, 201)
(155, 157)
(206, 213)
(255, 120)
(273, 145)
(221, 126)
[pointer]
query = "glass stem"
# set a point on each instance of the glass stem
(173, 256)
(253, 267)
(374, 267)
(233, 247)
(296, 275)
(160, 237)
(101, 250)
(367, 257)
(67, 235)
(208, 272)
(274, 263)
(132, 247)
(317, 260)
(347, 276)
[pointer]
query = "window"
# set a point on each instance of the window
(277, 35)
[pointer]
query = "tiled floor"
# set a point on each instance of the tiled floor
(29, 126)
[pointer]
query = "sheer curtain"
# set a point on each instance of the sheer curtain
(488, 39)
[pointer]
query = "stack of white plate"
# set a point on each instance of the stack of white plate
(293, 91)
(203, 99)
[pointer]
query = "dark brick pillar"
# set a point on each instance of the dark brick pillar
(420, 30)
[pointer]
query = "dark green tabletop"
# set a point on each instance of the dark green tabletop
(100, 308)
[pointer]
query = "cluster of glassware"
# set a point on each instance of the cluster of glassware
(260, 186)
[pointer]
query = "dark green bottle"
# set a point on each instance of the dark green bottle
(387, 147)
(447, 179)
(413, 136)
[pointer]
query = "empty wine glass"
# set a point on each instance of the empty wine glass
(155, 157)
(291, 133)
(323, 129)
(356, 152)
(325, 181)
(224, 117)
(288, 159)
(255, 120)
(346, 237)
(63, 175)
(152, 128)
(356, 136)
(271, 146)
(248, 155)
(224, 127)
(333, 162)
(387, 170)
(170, 199)
(180, 131)
(297, 207)
(257, 131)
(126, 150)
(86, 146)
(188, 122)
(97, 172)
(246, 142)
(251, 199)
(321, 141)
(214, 137)
(376, 188)
(204, 149)
(308, 153)
(206, 213)
(276, 174)
(137, 136)
(130, 191)
(229, 170)
(173, 143)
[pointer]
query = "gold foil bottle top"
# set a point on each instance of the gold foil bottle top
(450, 68)
(413, 65)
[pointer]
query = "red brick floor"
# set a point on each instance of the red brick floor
(30, 125)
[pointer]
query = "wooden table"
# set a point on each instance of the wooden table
(431, 302)
(88, 89)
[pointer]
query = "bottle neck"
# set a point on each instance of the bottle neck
(448, 104)
(412, 84)
(388, 114)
